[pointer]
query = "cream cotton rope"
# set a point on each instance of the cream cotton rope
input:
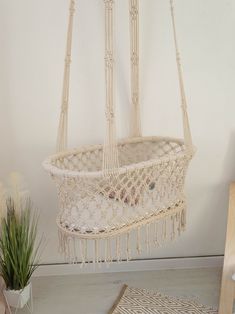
(134, 59)
(123, 196)
(110, 151)
(62, 137)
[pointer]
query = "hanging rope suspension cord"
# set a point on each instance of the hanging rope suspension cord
(135, 130)
(110, 151)
(187, 132)
(63, 123)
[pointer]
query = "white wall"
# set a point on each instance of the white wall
(32, 37)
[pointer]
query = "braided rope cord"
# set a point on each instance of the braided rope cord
(110, 151)
(134, 59)
(62, 137)
(186, 126)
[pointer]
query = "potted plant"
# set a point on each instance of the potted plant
(18, 248)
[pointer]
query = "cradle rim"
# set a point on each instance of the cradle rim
(53, 170)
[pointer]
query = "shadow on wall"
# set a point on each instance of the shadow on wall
(220, 196)
(208, 198)
(229, 161)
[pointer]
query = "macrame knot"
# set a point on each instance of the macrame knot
(72, 7)
(64, 106)
(109, 59)
(134, 12)
(134, 58)
(72, 10)
(178, 59)
(184, 106)
(109, 115)
(135, 99)
(109, 4)
(68, 60)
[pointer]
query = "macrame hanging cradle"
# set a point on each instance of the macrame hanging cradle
(121, 192)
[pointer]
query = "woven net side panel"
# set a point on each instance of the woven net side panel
(130, 153)
(100, 207)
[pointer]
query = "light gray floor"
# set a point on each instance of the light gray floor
(95, 294)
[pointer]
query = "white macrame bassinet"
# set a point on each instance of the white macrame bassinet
(108, 193)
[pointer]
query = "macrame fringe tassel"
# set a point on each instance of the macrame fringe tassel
(118, 248)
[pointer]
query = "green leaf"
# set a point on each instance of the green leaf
(19, 251)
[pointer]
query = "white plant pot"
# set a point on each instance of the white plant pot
(18, 298)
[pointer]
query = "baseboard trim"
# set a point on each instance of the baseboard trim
(136, 265)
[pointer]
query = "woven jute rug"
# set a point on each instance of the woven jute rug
(140, 301)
